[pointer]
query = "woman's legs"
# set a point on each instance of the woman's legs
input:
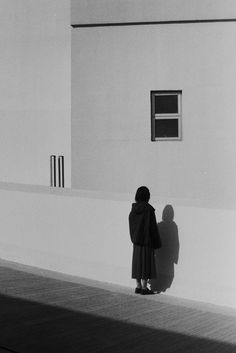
(145, 289)
(141, 283)
(141, 286)
(144, 283)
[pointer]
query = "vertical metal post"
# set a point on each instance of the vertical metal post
(61, 176)
(53, 177)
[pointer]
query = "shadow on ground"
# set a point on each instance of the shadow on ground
(31, 327)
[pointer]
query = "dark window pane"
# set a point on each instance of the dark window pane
(166, 104)
(166, 128)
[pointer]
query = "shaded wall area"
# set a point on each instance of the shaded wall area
(97, 11)
(168, 255)
(86, 234)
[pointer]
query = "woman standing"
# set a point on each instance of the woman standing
(145, 238)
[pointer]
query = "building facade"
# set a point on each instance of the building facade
(128, 50)
(153, 88)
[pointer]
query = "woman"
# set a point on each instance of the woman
(145, 238)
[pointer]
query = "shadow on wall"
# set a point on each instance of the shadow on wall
(167, 256)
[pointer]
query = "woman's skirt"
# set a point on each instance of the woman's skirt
(143, 263)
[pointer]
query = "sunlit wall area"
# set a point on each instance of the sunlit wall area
(35, 89)
(86, 234)
(117, 62)
(114, 68)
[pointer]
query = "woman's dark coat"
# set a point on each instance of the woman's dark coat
(143, 226)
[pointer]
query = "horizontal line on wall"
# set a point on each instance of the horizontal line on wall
(148, 23)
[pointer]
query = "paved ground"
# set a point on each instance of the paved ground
(45, 314)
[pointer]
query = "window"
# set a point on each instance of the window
(166, 115)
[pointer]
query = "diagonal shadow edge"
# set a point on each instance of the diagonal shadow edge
(24, 323)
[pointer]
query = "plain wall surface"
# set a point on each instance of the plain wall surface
(113, 71)
(86, 234)
(35, 46)
(99, 11)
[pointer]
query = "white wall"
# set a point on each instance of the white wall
(97, 11)
(86, 234)
(113, 71)
(34, 88)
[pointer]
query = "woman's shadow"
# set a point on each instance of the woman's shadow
(167, 256)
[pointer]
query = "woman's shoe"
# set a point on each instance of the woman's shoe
(146, 291)
(138, 290)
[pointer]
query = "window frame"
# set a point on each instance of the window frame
(166, 116)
